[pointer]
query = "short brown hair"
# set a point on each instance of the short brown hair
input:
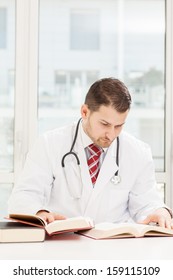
(108, 91)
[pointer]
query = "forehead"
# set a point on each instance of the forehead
(110, 115)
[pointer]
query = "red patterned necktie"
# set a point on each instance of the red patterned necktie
(93, 161)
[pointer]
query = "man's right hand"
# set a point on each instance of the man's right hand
(50, 216)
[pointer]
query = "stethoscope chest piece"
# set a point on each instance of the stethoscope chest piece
(116, 179)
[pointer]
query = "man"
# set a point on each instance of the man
(56, 184)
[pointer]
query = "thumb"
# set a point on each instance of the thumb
(146, 221)
(59, 217)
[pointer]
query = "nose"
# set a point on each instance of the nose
(111, 133)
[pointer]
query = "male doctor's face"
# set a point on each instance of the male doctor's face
(104, 125)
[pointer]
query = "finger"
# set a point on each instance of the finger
(43, 216)
(59, 217)
(146, 221)
(161, 222)
(50, 218)
(168, 224)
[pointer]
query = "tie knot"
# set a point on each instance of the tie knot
(95, 150)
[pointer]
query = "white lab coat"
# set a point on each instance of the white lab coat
(133, 198)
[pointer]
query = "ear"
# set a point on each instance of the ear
(84, 111)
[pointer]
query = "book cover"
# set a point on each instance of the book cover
(17, 232)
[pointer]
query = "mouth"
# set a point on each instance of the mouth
(105, 142)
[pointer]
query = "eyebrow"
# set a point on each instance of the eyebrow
(110, 123)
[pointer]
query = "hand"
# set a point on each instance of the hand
(50, 216)
(161, 216)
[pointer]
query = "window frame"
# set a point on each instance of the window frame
(26, 91)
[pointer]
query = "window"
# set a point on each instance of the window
(84, 30)
(7, 87)
(62, 47)
(119, 43)
(144, 72)
(125, 46)
(7, 66)
(3, 28)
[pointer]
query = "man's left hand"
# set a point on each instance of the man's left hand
(161, 216)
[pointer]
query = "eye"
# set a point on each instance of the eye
(104, 124)
(118, 126)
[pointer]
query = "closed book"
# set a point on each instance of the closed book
(17, 232)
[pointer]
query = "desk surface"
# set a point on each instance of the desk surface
(75, 247)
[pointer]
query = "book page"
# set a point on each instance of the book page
(28, 219)
(75, 223)
(111, 230)
(106, 226)
(156, 230)
(133, 228)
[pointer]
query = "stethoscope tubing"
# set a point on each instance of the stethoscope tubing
(77, 158)
(72, 146)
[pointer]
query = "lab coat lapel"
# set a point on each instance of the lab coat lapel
(88, 190)
(84, 166)
(80, 151)
(107, 171)
(108, 168)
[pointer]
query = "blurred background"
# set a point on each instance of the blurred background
(51, 51)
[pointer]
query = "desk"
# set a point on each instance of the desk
(74, 247)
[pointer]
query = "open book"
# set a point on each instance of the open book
(57, 226)
(122, 230)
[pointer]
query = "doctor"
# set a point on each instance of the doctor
(118, 185)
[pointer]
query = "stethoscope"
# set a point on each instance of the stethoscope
(116, 179)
